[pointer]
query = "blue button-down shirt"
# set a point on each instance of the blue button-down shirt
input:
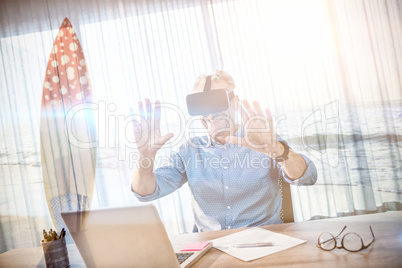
(231, 186)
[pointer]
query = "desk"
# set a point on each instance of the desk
(386, 251)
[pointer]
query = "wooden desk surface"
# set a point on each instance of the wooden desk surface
(386, 251)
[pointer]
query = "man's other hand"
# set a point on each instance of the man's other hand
(259, 129)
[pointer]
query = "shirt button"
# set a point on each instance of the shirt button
(228, 207)
(228, 227)
(225, 167)
(226, 187)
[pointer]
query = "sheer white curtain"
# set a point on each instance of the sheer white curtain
(329, 71)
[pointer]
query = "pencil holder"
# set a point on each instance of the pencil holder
(55, 253)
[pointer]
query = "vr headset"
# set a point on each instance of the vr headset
(209, 101)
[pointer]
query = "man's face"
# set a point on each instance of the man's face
(223, 121)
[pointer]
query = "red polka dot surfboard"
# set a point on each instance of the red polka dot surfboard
(67, 128)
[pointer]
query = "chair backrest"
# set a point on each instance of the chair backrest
(287, 206)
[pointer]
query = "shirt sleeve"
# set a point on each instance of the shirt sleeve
(310, 175)
(168, 179)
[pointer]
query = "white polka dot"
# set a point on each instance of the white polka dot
(55, 95)
(63, 90)
(70, 70)
(79, 68)
(64, 59)
(60, 33)
(61, 44)
(54, 49)
(61, 73)
(74, 55)
(73, 87)
(83, 80)
(78, 96)
(73, 46)
(54, 63)
(62, 50)
(75, 38)
(46, 84)
(82, 62)
(46, 97)
(70, 76)
(66, 38)
(50, 89)
(48, 72)
(55, 79)
(72, 31)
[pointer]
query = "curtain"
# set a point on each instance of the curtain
(330, 72)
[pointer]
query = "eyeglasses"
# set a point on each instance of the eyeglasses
(350, 241)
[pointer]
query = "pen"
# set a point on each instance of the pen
(250, 245)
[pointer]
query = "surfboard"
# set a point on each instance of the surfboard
(67, 128)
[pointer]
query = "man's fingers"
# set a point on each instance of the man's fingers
(271, 125)
(141, 109)
(138, 131)
(131, 114)
(244, 114)
(157, 115)
(149, 111)
(257, 108)
(249, 109)
(269, 119)
(138, 125)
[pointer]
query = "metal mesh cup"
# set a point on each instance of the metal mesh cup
(55, 253)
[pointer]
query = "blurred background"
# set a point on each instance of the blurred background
(330, 71)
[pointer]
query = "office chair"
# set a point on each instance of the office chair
(287, 205)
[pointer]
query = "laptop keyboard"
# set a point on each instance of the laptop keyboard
(183, 256)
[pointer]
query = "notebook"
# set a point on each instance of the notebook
(128, 236)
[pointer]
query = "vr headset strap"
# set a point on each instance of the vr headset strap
(207, 87)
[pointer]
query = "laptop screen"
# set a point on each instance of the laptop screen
(131, 236)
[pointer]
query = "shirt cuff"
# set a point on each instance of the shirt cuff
(309, 177)
(146, 198)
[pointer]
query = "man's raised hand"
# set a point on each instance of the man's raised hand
(259, 129)
(147, 133)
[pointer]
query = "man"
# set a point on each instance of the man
(231, 184)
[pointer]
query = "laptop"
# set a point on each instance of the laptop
(128, 236)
